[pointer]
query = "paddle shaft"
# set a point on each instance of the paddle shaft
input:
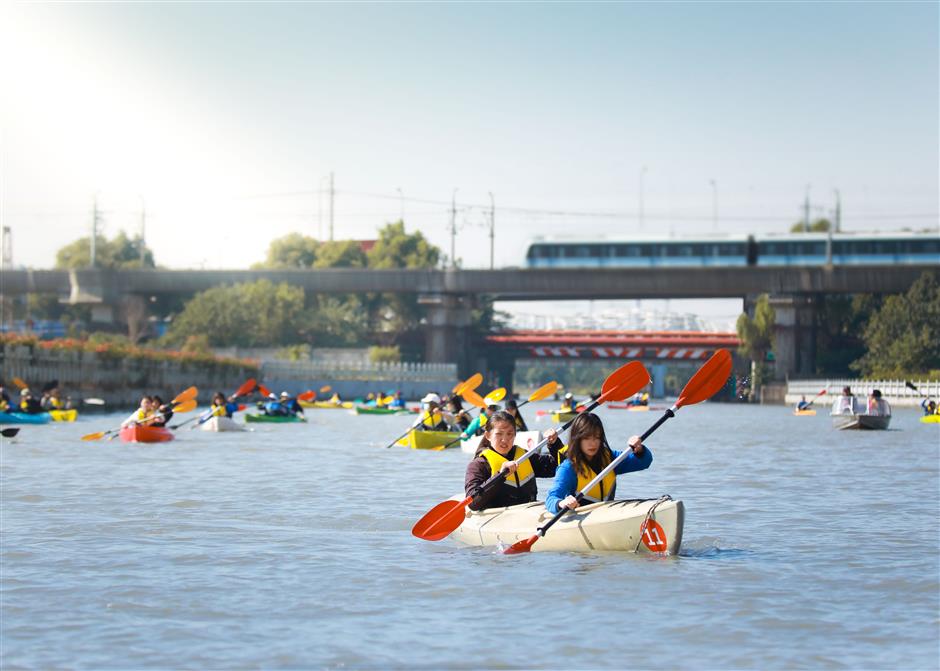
(671, 412)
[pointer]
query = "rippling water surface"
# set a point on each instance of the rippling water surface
(290, 547)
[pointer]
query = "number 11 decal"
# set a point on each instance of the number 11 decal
(654, 537)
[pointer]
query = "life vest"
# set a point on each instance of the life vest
(56, 403)
(140, 415)
(433, 420)
(523, 473)
(602, 491)
(275, 408)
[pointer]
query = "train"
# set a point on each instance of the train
(795, 249)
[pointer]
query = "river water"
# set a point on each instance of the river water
(290, 547)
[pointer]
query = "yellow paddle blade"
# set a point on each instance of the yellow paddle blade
(495, 396)
(185, 395)
(544, 391)
(185, 406)
(473, 398)
(387, 400)
(433, 420)
(325, 388)
(94, 436)
(19, 383)
(470, 383)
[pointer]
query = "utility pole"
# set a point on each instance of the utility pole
(838, 213)
(6, 260)
(332, 194)
(143, 229)
(453, 230)
(492, 228)
(806, 211)
(94, 230)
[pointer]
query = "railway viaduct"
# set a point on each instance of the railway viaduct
(449, 295)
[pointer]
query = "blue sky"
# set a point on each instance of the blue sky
(223, 120)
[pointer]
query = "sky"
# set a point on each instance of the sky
(221, 123)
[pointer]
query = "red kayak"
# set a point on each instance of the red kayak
(146, 434)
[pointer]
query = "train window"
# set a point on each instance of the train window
(599, 251)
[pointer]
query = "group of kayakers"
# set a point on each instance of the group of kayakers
(30, 404)
(438, 414)
(284, 405)
(151, 411)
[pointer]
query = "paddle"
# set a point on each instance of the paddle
(9, 433)
(307, 396)
(20, 383)
(184, 397)
(704, 384)
(461, 388)
(907, 383)
(325, 388)
(815, 398)
(445, 517)
(93, 401)
(247, 387)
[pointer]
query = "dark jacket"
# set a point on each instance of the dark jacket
(501, 495)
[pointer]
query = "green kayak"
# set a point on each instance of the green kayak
(372, 410)
(279, 419)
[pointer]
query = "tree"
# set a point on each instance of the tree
(246, 315)
(397, 249)
(903, 337)
(340, 254)
(291, 251)
(840, 323)
(818, 226)
(757, 337)
(121, 253)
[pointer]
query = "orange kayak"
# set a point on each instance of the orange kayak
(146, 434)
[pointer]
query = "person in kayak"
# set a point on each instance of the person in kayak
(273, 407)
(53, 400)
(568, 404)
(478, 425)
(498, 453)
(222, 407)
(513, 409)
(142, 415)
(292, 405)
(397, 401)
(4, 398)
(29, 404)
(462, 418)
(433, 418)
(587, 454)
(164, 411)
(803, 404)
(929, 406)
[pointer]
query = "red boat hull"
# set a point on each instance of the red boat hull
(146, 434)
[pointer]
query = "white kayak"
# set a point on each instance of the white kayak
(848, 421)
(524, 439)
(222, 424)
(613, 525)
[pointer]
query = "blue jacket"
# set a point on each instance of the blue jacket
(566, 478)
(275, 408)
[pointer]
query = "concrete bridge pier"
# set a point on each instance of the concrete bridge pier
(794, 335)
(658, 373)
(446, 333)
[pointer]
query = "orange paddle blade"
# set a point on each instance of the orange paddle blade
(185, 395)
(19, 383)
(544, 391)
(264, 390)
(325, 388)
(185, 406)
(441, 520)
(473, 398)
(495, 396)
(246, 388)
(625, 382)
(307, 395)
(525, 545)
(471, 382)
(94, 436)
(708, 380)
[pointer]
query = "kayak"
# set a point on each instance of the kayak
(146, 434)
(562, 417)
(372, 410)
(524, 439)
(327, 405)
(64, 415)
(278, 419)
(848, 421)
(805, 413)
(633, 407)
(221, 424)
(427, 440)
(24, 418)
(930, 419)
(611, 525)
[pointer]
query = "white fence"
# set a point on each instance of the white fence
(896, 391)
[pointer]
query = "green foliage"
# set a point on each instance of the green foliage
(757, 338)
(196, 344)
(336, 322)
(291, 251)
(384, 354)
(397, 249)
(295, 352)
(246, 315)
(818, 226)
(903, 337)
(108, 338)
(120, 253)
(340, 254)
(840, 323)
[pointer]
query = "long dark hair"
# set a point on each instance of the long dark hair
(500, 416)
(587, 425)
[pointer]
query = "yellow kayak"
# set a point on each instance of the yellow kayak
(930, 419)
(427, 440)
(327, 405)
(807, 413)
(64, 415)
(562, 417)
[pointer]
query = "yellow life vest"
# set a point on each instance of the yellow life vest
(523, 473)
(431, 420)
(56, 403)
(602, 491)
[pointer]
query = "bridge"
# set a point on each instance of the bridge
(449, 295)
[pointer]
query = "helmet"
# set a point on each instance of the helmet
(431, 398)
(284, 394)
(272, 396)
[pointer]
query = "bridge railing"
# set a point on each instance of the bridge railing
(378, 372)
(896, 391)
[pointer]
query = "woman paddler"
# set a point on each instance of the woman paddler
(143, 415)
(433, 418)
(587, 454)
(222, 407)
(498, 452)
